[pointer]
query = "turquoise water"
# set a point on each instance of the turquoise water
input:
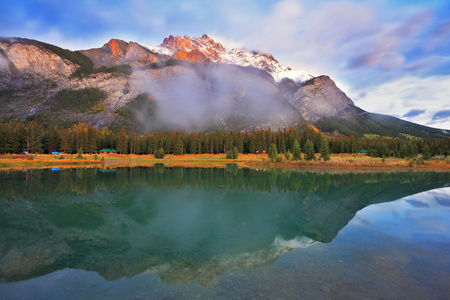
(185, 233)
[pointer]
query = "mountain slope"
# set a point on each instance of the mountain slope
(185, 83)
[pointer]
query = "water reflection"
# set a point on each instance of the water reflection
(176, 222)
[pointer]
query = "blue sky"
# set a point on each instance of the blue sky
(390, 57)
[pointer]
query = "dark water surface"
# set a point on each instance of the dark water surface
(186, 233)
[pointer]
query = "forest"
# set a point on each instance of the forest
(18, 136)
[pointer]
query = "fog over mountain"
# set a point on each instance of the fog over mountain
(186, 84)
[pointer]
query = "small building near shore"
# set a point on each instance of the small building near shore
(108, 151)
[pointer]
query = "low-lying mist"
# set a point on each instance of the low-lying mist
(199, 97)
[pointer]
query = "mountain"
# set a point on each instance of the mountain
(184, 83)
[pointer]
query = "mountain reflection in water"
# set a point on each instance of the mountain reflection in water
(176, 222)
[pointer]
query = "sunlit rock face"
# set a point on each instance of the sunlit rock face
(193, 56)
(26, 62)
(206, 49)
(320, 97)
(195, 84)
(118, 52)
(116, 47)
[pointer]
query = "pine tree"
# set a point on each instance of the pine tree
(235, 153)
(309, 151)
(66, 145)
(288, 155)
(273, 153)
(34, 136)
(132, 142)
(325, 151)
(282, 147)
(292, 138)
(193, 148)
(122, 142)
(19, 142)
(199, 146)
(296, 151)
(205, 144)
(151, 140)
(178, 147)
(5, 138)
(51, 139)
(252, 144)
(426, 155)
(240, 144)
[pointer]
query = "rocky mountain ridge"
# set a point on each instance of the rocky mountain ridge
(205, 49)
(188, 84)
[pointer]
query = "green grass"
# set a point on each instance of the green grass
(369, 124)
(45, 120)
(76, 100)
(408, 136)
(121, 69)
(371, 136)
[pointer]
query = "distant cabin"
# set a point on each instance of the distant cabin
(108, 151)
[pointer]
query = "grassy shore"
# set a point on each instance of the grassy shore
(338, 161)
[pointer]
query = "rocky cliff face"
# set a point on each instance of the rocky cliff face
(118, 52)
(318, 98)
(188, 96)
(190, 84)
(205, 49)
(25, 64)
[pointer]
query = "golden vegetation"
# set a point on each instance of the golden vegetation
(337, 161)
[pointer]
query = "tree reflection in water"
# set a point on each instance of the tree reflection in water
(175, 222)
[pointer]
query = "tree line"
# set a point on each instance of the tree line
(18, 136)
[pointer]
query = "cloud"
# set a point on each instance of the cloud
(417, 203)
(383, 49)
(439, 35)
(441, 115)
(368, 46)
(415, 99)
(414, 113)
(443, 200)
(200, 96)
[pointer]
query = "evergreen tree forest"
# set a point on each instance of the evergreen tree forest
(18, 136)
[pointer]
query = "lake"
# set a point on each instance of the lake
(220, 233)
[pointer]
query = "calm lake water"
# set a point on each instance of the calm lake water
(187, 233)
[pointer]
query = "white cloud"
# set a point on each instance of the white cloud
(331, 37)
(365, 45)
(400, 96)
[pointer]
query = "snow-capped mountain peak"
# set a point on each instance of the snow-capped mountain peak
(205, 49)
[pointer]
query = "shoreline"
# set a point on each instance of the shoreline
(346, 162)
